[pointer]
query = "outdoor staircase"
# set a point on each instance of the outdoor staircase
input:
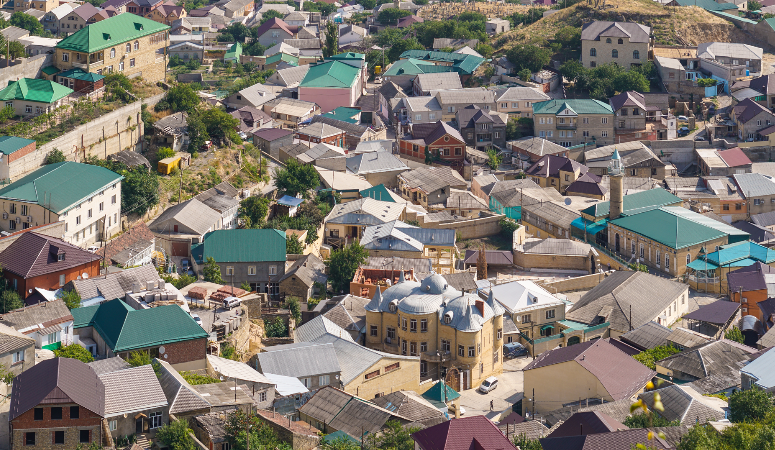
(143, 441)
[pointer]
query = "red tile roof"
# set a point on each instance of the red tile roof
(468, 433)
(734, 157)
(35, 254)
(138, 233)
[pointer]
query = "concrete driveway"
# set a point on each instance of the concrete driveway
(210, 316)
(509, 391)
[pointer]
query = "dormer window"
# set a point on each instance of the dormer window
(61, 257)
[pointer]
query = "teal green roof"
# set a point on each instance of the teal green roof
(61, 186)
(345, 114)
(414, 66)
(42, 91)
(50, 70)
(125, 329)
(10, 144)
(436, 395)
(708, 5)
(741, 251)
(699, 264)
(770, 22)
(111, 32)
(234, 52)
(348, 55)
(461, 63)
(378, 192)
(332, 74)
(672, 230)
(290, 59)
(248, 245)
(633, 203)
(726, 15)
(579, 106)
(80, 74)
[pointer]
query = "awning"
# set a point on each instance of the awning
(49, 330)
(592, 227)
(699, 264)
(547, 327)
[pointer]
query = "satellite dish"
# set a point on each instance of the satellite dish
(568, 201)
(85, 275)
(29, 291)
(161, 349)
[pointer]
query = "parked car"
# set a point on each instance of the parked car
(231, 302)
(683, 118)
(513, 350)
(93, 248)
(197, 319)
(699, 138)
(489, 384)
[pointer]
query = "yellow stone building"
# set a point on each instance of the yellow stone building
(458, 337)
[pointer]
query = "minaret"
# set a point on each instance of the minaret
(616, 173)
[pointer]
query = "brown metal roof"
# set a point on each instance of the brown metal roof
(56, 381)
(35, 254)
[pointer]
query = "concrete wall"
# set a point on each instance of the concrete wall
(25, 68)
(581, 283)
(119, 130)
(56, 229)
(468, 229)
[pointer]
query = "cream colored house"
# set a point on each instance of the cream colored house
(573, 122)
(624, 43)
(518, 101)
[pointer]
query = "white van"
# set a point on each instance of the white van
(488, 385)
(231, 302)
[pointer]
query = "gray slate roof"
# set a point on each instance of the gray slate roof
(308, 269)
(192, 213)
(647, 336)
(114, 285)
(181, 396)
(714, 357)
(302, 359)
(43, 314)
(12, 340)
(114, 364)
(538, 146)
(317, 327)
(430, 179)
(594, 31)
(399, 236)
(412, 406)
(130, 390)
(365, 211)
(349, 313)
(754, 185)
(375, 162)
(551, 246)
(442, 80)
(680, 404)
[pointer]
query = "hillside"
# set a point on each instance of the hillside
(672, 26)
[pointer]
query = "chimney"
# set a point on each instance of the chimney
(480, 306)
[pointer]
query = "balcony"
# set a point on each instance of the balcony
(437, 357)
(566, 126)
(80, 65)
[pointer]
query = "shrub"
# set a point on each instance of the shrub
(74, 351)
(649, 357)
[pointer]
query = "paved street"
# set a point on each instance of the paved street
(508, 392)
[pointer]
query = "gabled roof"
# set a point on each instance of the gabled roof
(86, 11)
(753, 185)
(617, 371)
(747, 110)
(192, 213)
(125, 329)
(312, 330)
(245, 245)
(412, 406)
(749, 278)
(114, 285)
(131, 390)
(399, 236)
(111, 32)
(639, 201)
(465, 433)
(593, 31)
(34, 254)
(273, 24)
(430, 179)
(54, 188)
(413, 66)
(537, 146)
(375, 162)
(139, 234)
(717, 313)
(331, 74)
(684, 404)
(443, 80)
(58, 380)
(518, 296)
(521, 93)
(589, 422)
(712, 50)
(42, 91)
(365, 211)
(40, 316)
(762, 370)
(623, 439)
(302, 359)
(582, 106)
(647, 336)
(714, 357)
(551, 165)
(308, 269)
(646, 295)
(182, 397)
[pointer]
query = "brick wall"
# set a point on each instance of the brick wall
(186, 351)
(51, 281)
(43, 429)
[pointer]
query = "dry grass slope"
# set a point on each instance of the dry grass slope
(672, 26)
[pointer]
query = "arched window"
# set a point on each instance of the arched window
(621, 41)
(593, 52)
(608, 40)
(112, 52)
(128, 47)
(137, 45)
(688, 259)
(635, 54)
(614, 53)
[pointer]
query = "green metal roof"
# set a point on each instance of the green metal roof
(461, 62)
(436, 395)
(42, 91)
(50, 70)
(125, 329)
(770, 22)
(414, 66)
(290, 59)
(633, 203)
(348, 55)
(248, 245)
(234, 52)
(345, 114)
(330, 74)
(699, 264)
(579, 106)
(378, 192)
(61, 186)
(80, 74)
(110, 33)
(10, 144)
(708, 5)
(672, 230)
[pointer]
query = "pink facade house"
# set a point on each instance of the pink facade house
(336, 82)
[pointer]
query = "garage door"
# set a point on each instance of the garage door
(179, 249)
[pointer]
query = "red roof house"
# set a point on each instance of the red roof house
(467, 433)
(439, 138)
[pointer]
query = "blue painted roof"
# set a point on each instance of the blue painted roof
(762, 369)
(287, 200)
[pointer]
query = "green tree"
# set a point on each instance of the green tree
(401, 46)
(700, 437)
(229, 352)
(631, 80)
(74, 351)
(393, 437)
(176, 435)
(508, 226)
(649, 357)
(293, 246)
(71, 299)
(220, 125)
(195, 378)
(242, 428)
(181, 97)
(525, 74)
(139, 190)
(292, 303)
(296, 178)
(271, 14)
(391, 16)
(753, 5)
(6, 113)
(512, 130)
(734, 334)
(343, 264)
(28, 22)
(54, 156)
(485, 50)
(252, 211)
(528, 57)
(569, 37)
(119, 86)
(275, 327)
(750, 405)
(10, 300)
(139, 358)
(493, 159)
(164, 152)
(197, 132)
(522, 442)
(332, 40)
(212, 271)
(571, 70)
(642, 421)
(339, 443)
(15, 50)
